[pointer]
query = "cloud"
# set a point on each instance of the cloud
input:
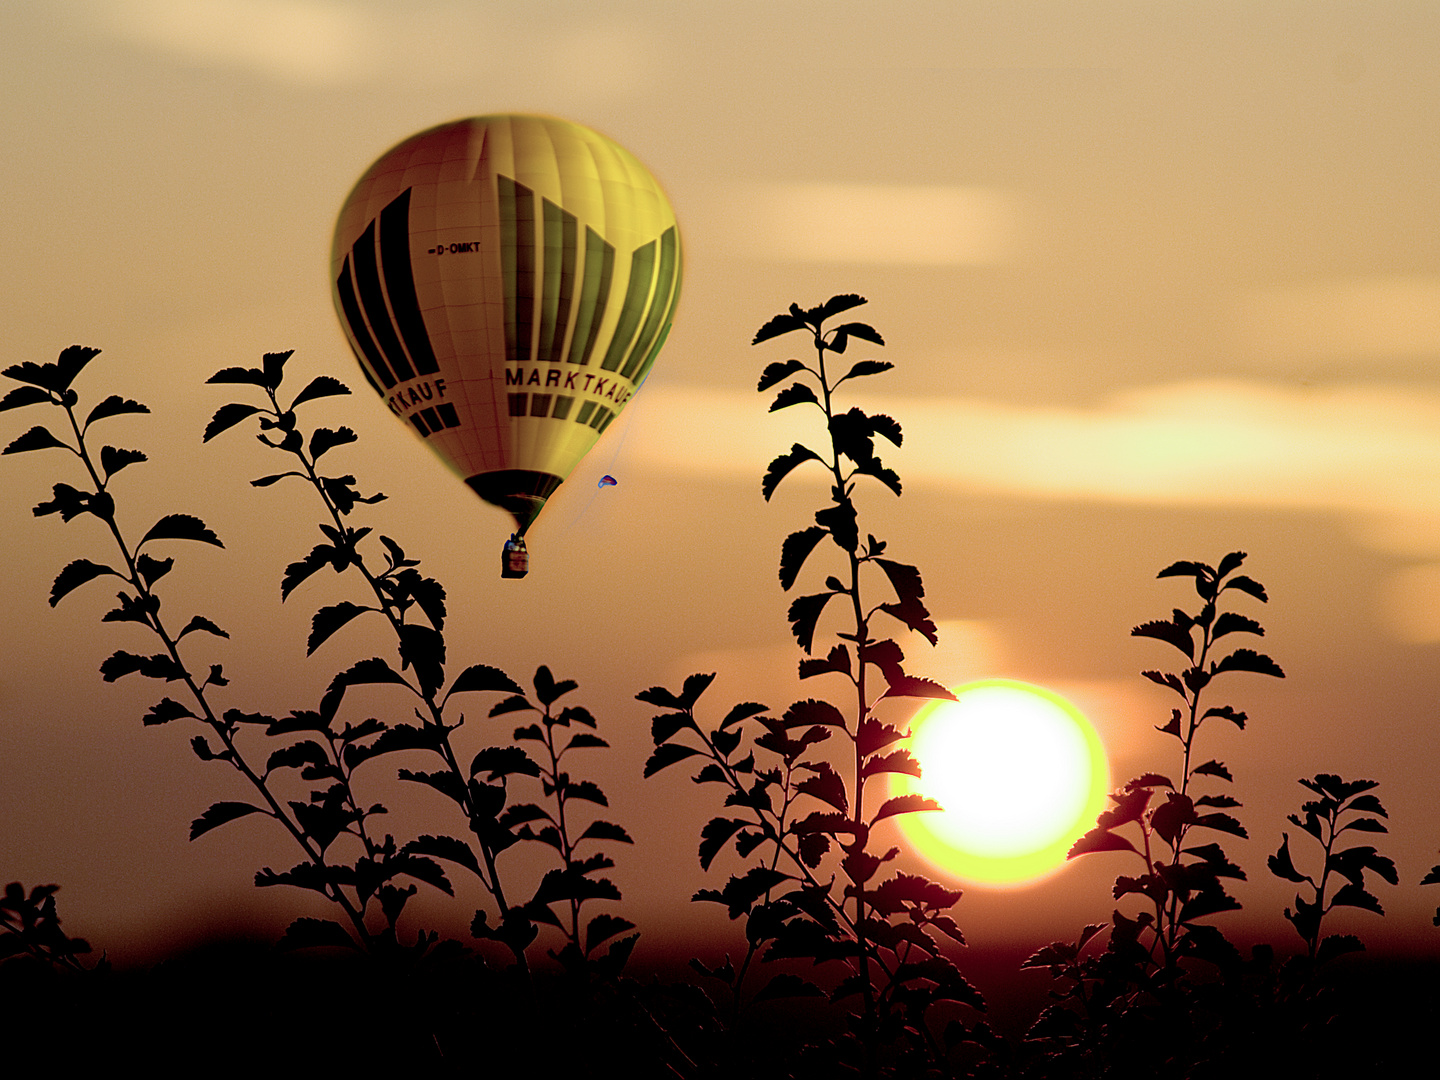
(305, 41)
(327, 42)
(1369, 452)
(876, 224)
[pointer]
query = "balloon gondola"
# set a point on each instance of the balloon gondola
(506, 283)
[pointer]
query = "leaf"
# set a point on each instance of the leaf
(226, 417)
(1248, 660)
(158, 666)
(328, 620)
(1337, 945)
(780, 467)
(897, 761)
(164, 711)
(840, 522)
(1352, 895)
(374, 670)
(913, 686)
(1099, 840)
(827, 786)
(904, 579)
(323, 440)
(794, 552)
(247, 376)
(483, 679)
(76, 574)
(904, 804)
(914, 614)
(309, 933)
(667, 755)
(180, 527)
(1212, 768)
(1247, 585)
(1229, 623)
(605, 830)
(501, 761)
(714, 836)
(219, 813)
(112, 460)
(39, 438)
(114, 405)
(318, 387)
(152, 570)
(803, 614)
(794, 394)
(835, 305)
(603, 927)
(199, 622)
(864, 367)
(1282, 865)
(1177, 636)
(780, 324)
(21, 396)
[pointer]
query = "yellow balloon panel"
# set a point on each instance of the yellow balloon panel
(506, 283)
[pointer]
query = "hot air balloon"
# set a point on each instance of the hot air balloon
(506, 283)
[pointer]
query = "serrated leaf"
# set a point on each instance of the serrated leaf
(904, 804)
(112, 460)
(309, 933)
(330, 619)
(666, 755)
(318, 387)
(782, 466)
(795, 550)
(37, 438)
(114, 405)
(21, 396)
(1247, 585)
(180, 527)
(166, 710)
(199, 622)
(794, 394)
(605, 830)
(323, 440)
(780, 324)
(218, 814)
(804, 613)
(1248, 660)
(76, 574)
(1099, 840)
(247, 376)
(481, 678)
(226, 417)
(864, 367)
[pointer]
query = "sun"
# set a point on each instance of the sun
(1019, 773)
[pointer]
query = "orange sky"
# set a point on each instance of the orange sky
(1160, 281)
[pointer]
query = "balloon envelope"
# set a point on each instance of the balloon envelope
(506, 282)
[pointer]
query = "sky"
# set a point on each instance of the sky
(1160, 281)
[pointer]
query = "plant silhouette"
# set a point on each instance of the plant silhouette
(800, 817)
(1138, 1007)
(369, 877)
(847, 965)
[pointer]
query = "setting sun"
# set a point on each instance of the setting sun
(1019, 773)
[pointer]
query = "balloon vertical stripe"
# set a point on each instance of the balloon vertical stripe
(400, 283)
(560, 258)
(659, 306)
(594, 295)
(372, 298)
(642, 276)
(360, 334)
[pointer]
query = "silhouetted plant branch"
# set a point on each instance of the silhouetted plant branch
(1337, 799)
(1136, 991)
(882, 933)
(402, 595)
(30, 927)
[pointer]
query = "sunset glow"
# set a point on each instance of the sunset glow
(1019, 773)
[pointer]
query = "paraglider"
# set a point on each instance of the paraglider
(506, 283)
(607, 481)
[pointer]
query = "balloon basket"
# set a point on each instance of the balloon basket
(514, 558)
